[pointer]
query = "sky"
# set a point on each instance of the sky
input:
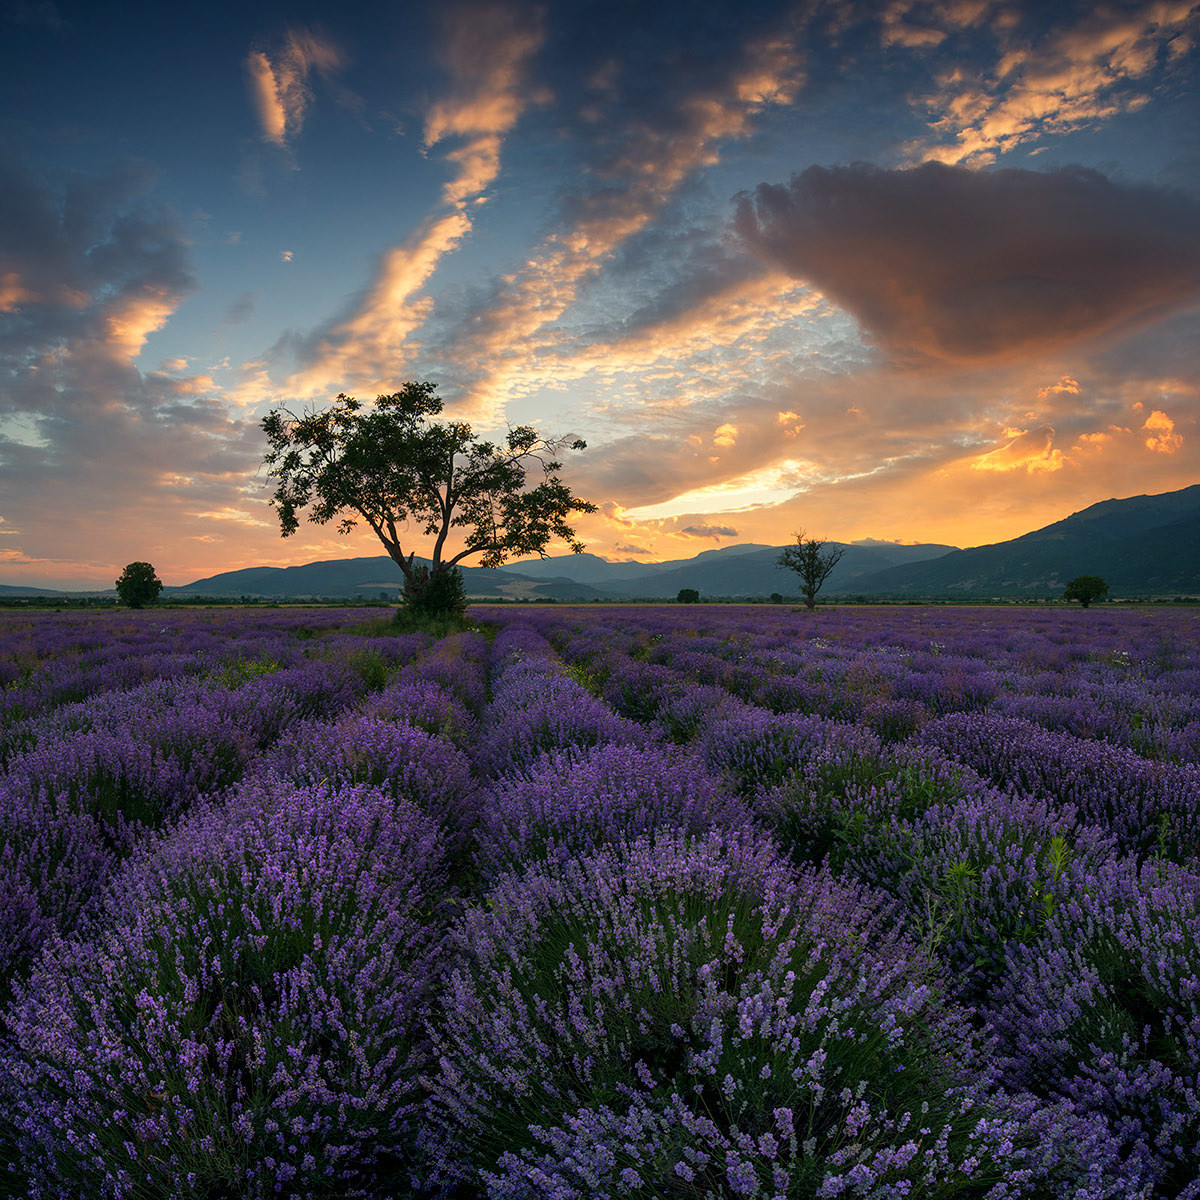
(922, 272)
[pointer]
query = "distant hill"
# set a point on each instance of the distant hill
(20, 589)
(746, 570)
(588, 568)
(753, 571)
(366, 578)
(1141, 546)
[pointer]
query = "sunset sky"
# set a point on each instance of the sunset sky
(912, 271)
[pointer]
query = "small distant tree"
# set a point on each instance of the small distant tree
(776, 597)
(1085, 589)
(812, 562)
(394, 467)
(688, 596)
(138, 585)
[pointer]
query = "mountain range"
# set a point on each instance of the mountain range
(1142, 546)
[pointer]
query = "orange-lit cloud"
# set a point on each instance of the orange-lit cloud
(279, 86)
(488, 54)
(1066, 386)
(504, 341)
(1082, 73)
(1030, 450)
(489, 50)
(1163, 439)
(12, 293)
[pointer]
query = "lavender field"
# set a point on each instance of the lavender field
(601, 902)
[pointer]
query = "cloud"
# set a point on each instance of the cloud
(242, 309)
(1163, 439)
(702, 529)
(488, 51)
(1027, 450)
(978, 266)
(279, 85)
(90, 271)
(1045, 83)
(631, 548)
(642, 144)
(85, 433)
(725, 435)
(1065, 386)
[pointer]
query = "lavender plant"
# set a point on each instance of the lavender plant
(244, 1019)
(686, 1018)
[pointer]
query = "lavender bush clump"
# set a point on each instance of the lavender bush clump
(758, 749)
(976, 877)
(1104, 1010)
(401, 759)
(1139, 801)
(573, 801)
(53, 861)
(537, 708)
(426, 706)
(840, 790)
(244, 1019)
(686, 1016)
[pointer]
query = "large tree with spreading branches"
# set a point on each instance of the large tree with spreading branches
(409, 476)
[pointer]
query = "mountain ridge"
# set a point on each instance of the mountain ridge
(1146, 545)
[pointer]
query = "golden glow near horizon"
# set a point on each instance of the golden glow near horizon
(951, 314)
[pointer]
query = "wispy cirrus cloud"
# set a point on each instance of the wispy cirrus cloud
(1089, 69)
(646, 155)
(488, 50)
(280, 82)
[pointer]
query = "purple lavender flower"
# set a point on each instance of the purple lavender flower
(244, 1020)
(575, 800)
(671, 1009)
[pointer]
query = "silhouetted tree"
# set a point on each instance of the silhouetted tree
(394, 467)
(138, 585)
(812, 562)
(1085, 589)
(688, 596)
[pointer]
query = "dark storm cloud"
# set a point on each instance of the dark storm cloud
(979, 265)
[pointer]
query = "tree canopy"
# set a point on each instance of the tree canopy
(138, 585)
(812, 562)
(411, 477)
(1085, 589)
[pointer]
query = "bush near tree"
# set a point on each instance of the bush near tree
(138, 585)
(1085, 589)
(394, 467)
